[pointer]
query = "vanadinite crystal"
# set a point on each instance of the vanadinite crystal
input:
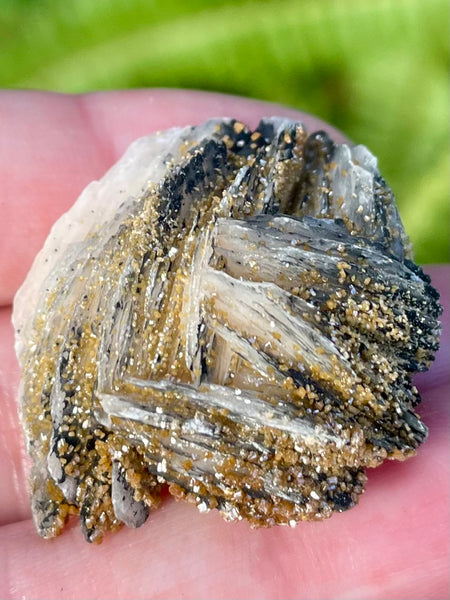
(232, 312)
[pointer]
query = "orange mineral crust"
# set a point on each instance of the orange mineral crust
(235, 313)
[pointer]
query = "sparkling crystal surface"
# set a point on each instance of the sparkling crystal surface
(232, 312)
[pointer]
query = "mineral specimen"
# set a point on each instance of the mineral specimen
(232, 312)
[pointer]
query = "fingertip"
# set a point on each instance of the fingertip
(127, 114)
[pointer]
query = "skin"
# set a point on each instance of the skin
(393, 545)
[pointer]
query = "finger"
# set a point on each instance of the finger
(14, 504)
(52, 146)
(393, 545)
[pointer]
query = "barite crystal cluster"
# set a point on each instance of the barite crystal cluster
(232, 312)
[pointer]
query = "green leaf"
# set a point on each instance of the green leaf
(378, 70)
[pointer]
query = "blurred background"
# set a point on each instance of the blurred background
(376, 69)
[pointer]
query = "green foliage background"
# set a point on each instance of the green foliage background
(376, 69)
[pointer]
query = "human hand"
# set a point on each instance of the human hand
(393, 545)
